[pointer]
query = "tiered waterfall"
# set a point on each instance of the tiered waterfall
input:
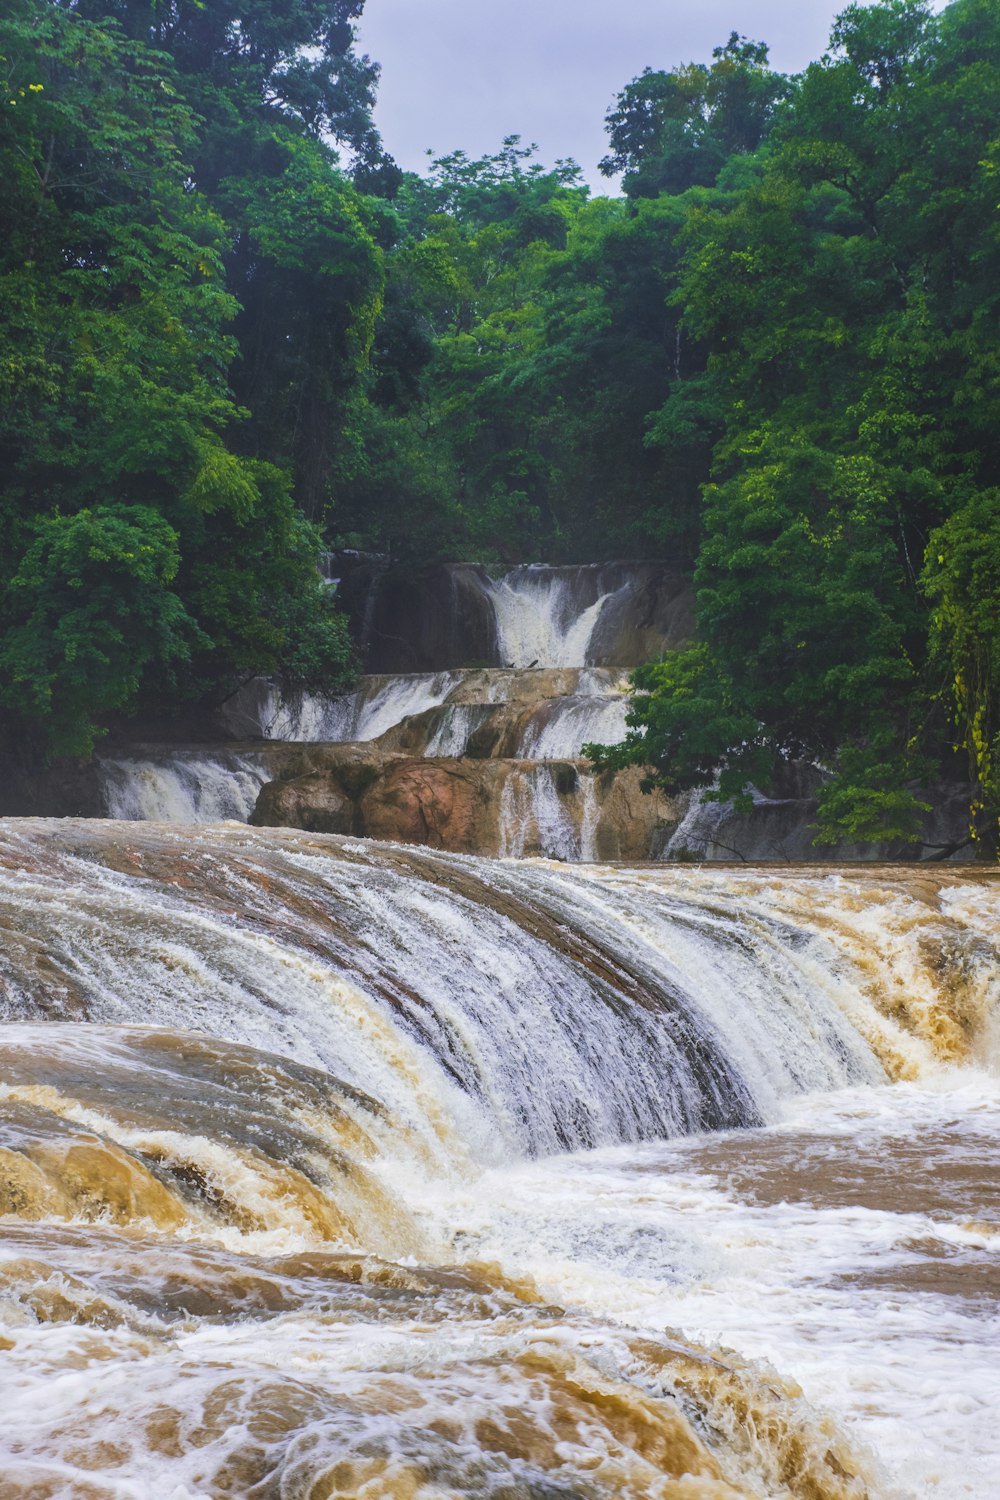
(342, 1161)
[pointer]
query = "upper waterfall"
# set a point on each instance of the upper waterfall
(514, 670)
(614, 614)
(468, 730)
(553, 617)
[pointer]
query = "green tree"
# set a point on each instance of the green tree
(89, 611)
(116, 416)
(963, 581)
(244, 64)
(670, 131)
(843, 284)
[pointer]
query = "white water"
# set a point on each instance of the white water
(379, 704)
(534, 819)
(562, 733)
(183, 786)
(517, 1045)
(595, 707)
(504, 1016)
(883, 1314)
(539, 620)
(458, 722)
(412, 978)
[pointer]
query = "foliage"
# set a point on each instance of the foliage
(843, 283)
(87, 612)
(691, 726)
(963, 580)
(150, 550)
(676, 130)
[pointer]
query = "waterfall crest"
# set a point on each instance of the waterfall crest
(516, 1008)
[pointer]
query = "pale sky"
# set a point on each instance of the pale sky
(465, 73)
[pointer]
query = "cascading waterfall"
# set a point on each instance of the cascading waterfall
(554, 722)
(256, 1085)
(560, 732)
(308, 1142)
(535, 817)
(542, 701)
(455, 727)
(377, 705)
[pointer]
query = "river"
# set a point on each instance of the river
(333, 1168)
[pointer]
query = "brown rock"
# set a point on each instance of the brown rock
(497, 806)
(316, 803)
(425, 802)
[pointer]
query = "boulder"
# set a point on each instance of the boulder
(315, 802)
(438, 803)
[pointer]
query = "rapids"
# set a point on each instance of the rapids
(335, 1169)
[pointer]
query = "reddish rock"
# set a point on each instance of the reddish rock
(425, 802)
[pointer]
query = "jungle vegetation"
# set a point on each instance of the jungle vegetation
(233, 333)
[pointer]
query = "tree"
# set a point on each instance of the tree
(272, 86)
(675, 130)
(843, 283)
(962, 579)
(307, 274)
(119, 473)
(89, 611)
(243, 64)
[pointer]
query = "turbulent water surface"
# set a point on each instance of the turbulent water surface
(336, 1169)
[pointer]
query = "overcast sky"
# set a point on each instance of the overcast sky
(465, 73)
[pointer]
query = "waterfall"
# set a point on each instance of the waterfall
(616, 614)
(337, 1168)
(559, 731)
(535, 818)
(566, 636)
(182, 786)
(543, 704)
(585, 1008)
(535, 625)
(455, 726)
(590, 815)
(377, 705)
(581, 705)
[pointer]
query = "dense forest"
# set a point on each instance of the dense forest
(234, 333)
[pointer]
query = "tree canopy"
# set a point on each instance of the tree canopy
(233, 331)
(153, 541)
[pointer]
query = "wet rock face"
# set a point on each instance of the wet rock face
(30, 788)
(781, 825)
(315, 802)
(559, 810)
(427, 621)
(650, 611)
(428, 802)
